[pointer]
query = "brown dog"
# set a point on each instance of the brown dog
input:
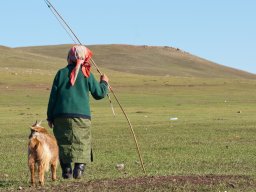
(42, 152)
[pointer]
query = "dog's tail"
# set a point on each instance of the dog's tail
(42, 150)
(46, 156)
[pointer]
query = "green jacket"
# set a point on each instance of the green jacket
(73, 101)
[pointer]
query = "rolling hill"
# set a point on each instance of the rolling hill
(145, 60)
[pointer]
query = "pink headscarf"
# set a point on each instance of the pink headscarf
(80, 55)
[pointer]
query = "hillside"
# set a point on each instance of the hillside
(18, 58)
(146, 60)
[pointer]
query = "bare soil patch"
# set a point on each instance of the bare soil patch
(154, 183)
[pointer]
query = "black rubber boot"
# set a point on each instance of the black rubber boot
(78, 170)
(66, 170)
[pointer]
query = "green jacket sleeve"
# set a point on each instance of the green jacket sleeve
(98, 89)
(52, 99)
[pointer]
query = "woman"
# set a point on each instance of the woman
(69, 111)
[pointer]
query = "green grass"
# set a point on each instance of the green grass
(214, 133)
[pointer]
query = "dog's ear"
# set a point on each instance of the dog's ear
(39, 124)
(35, 124)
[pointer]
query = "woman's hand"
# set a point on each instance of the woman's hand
(104, 78)
(50, 124)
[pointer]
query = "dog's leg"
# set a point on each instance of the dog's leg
(53, 169)
(41, 173)
(31, 163)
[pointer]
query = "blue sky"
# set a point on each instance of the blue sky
(222, 31)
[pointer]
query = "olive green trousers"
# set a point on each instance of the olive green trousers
(73, 136)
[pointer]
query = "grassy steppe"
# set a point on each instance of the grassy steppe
(214, 133)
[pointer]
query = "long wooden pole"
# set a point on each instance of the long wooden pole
(57, 15)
